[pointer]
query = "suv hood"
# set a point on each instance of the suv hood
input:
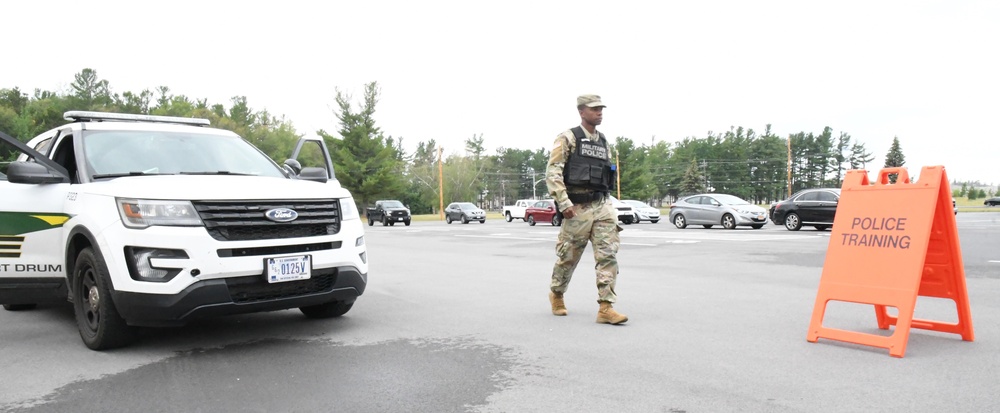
(213, 187)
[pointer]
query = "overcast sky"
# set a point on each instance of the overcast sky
(926, 72)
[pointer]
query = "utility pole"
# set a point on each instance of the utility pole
(618, 176)
(440, 185)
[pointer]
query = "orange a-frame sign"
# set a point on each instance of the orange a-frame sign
(890, 243)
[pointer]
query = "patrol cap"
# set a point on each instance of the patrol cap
(590, 101)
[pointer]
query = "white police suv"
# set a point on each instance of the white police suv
(153, 220)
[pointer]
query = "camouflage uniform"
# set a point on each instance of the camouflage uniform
(596, 221)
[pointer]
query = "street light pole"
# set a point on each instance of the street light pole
(533, 196)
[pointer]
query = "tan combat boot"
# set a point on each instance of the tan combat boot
(608, 315)
(558, 306)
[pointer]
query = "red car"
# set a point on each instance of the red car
(543, 211)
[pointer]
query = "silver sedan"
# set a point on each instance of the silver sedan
(708, 210)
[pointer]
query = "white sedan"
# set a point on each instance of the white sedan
(643, 212)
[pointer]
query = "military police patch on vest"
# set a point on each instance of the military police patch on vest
(593, 150)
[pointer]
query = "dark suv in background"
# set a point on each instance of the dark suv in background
(815, 207)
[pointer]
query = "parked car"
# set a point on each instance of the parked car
(465, 212)
(992, 201)
(815, 207)
(643, 212)
(717, 209)
(954, 206)
(625, 213)
(543, 211)
(516, 211)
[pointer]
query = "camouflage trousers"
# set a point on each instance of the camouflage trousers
(597, 222)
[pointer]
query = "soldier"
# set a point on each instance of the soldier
(579, 176)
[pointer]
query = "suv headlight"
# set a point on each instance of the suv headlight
(144, 213)
(348, 209)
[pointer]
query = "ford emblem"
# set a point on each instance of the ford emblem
(281, 214)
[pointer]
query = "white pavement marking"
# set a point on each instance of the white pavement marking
(501, 237)
(725, 237)
(994, 261)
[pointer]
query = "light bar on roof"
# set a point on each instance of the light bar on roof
(82, 115)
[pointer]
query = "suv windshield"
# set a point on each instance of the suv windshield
(118, 153)
(468, 206)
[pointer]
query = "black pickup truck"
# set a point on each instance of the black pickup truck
(388, 212)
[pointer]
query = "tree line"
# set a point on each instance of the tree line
(754, 165)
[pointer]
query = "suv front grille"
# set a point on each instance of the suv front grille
(244, 290)
(245, 220)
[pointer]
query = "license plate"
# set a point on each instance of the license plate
(399, 218)
(281, 269)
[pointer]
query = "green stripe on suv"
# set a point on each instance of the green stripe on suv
(19, 223)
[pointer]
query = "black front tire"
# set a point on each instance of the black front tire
(680, 222)
(327, 310)
(100, 325)
(556, 220)
(508, 217)
(465, 219)
(371, 221)
(728, 221)
(793, 222)
(531, 220)
(447, 218)
(407, 222)
(385, 221)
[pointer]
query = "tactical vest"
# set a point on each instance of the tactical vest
(589, 165)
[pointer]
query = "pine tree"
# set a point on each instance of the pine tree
(367, 163)
(691, 183)
(894, 158)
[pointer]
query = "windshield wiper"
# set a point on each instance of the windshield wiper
(216, 173)
(121, 174)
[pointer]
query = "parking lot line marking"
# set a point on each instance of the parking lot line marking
(513, 238)
(994, 261)
(721, 237)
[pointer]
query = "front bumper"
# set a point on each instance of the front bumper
(644, 216)
(751, 219)
(239, 295)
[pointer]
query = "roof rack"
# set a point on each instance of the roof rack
(84, 116)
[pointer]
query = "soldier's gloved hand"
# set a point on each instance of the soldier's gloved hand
(570, 212)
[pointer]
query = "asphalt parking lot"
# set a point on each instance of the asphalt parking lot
(456, 318)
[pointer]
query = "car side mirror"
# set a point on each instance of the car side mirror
(313, 173)
(33, 173)
(293, 166)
